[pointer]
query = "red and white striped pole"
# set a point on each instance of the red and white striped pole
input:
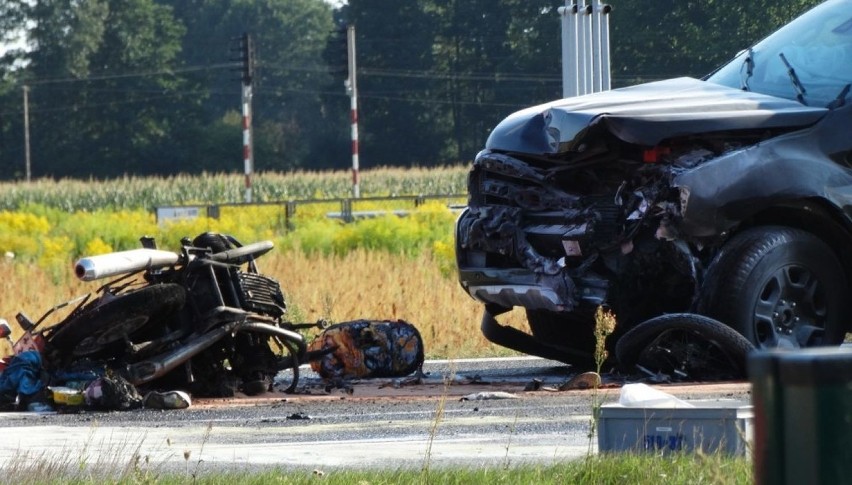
(352, 88)
(248, 160)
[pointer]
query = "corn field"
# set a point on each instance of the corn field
(149, 192)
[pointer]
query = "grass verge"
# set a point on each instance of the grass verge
(597, 469)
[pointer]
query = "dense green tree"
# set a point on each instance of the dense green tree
(289, 37)
(152, 86)
(436, 76)
(103, 97)
(668, 38)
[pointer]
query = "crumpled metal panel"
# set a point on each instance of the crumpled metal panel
(645, 115)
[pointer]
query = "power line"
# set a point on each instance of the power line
(105, 77)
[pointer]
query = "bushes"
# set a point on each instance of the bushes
(51, 237)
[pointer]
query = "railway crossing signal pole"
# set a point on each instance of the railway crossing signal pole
(27, 131)
(351, 84)
(246, 49)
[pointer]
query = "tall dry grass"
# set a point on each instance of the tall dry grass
(360, 284)
(374, 284)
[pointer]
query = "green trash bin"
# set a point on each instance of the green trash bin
(802, 416)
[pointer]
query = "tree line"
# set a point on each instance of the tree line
(152, 87)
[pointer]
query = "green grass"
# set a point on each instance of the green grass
(691, 469)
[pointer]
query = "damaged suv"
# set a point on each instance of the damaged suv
(729, 196)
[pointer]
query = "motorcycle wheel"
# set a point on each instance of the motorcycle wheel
(106, 326)
(685, 346)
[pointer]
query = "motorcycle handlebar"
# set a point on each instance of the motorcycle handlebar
(243, 254)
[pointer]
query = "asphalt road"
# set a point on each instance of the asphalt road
(466, 412)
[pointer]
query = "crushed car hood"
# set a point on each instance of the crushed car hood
(645, 115)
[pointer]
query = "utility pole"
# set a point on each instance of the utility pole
(247, 57)
(351, 84)
(27, 131)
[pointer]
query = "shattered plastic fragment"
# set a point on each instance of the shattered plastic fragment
(586, 380)
(167, 400)
(482, 396)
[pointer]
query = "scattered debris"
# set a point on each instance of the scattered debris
(111, 392)
(483, 396)
(534, 385)
(474, 379)
(586, 380)
(167, 400)
(22, 380)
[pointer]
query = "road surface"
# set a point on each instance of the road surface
(468, 412)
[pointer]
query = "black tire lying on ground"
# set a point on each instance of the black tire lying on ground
(104, 326)
(685, 346)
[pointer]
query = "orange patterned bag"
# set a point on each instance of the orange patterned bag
(368, 348)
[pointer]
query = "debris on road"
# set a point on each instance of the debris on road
(167, 400)
(299, 416)
(22, 380)
(586, 380)
(483, 396)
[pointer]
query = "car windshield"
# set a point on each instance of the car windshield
(809, 59)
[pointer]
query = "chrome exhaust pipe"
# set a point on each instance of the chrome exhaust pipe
(160, 365)
(294, 338)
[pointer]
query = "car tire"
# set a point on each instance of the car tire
(684, 346)
(105, 326)
(778, 287)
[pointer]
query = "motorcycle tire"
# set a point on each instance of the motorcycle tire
(265, 362)
(685, 346)
(106, 326)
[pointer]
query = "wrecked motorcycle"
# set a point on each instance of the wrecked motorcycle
(203, 319)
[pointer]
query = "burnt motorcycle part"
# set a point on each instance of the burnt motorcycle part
(214, 241)
(24, 322)
(122, 262)
(684, 346)
(226, 331)
(261, 294)
(243, 254)
(778, 287)
(113, 322)
(158, 366)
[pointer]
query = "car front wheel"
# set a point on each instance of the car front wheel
(779, 287)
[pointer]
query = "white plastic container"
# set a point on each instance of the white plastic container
(708, 426)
